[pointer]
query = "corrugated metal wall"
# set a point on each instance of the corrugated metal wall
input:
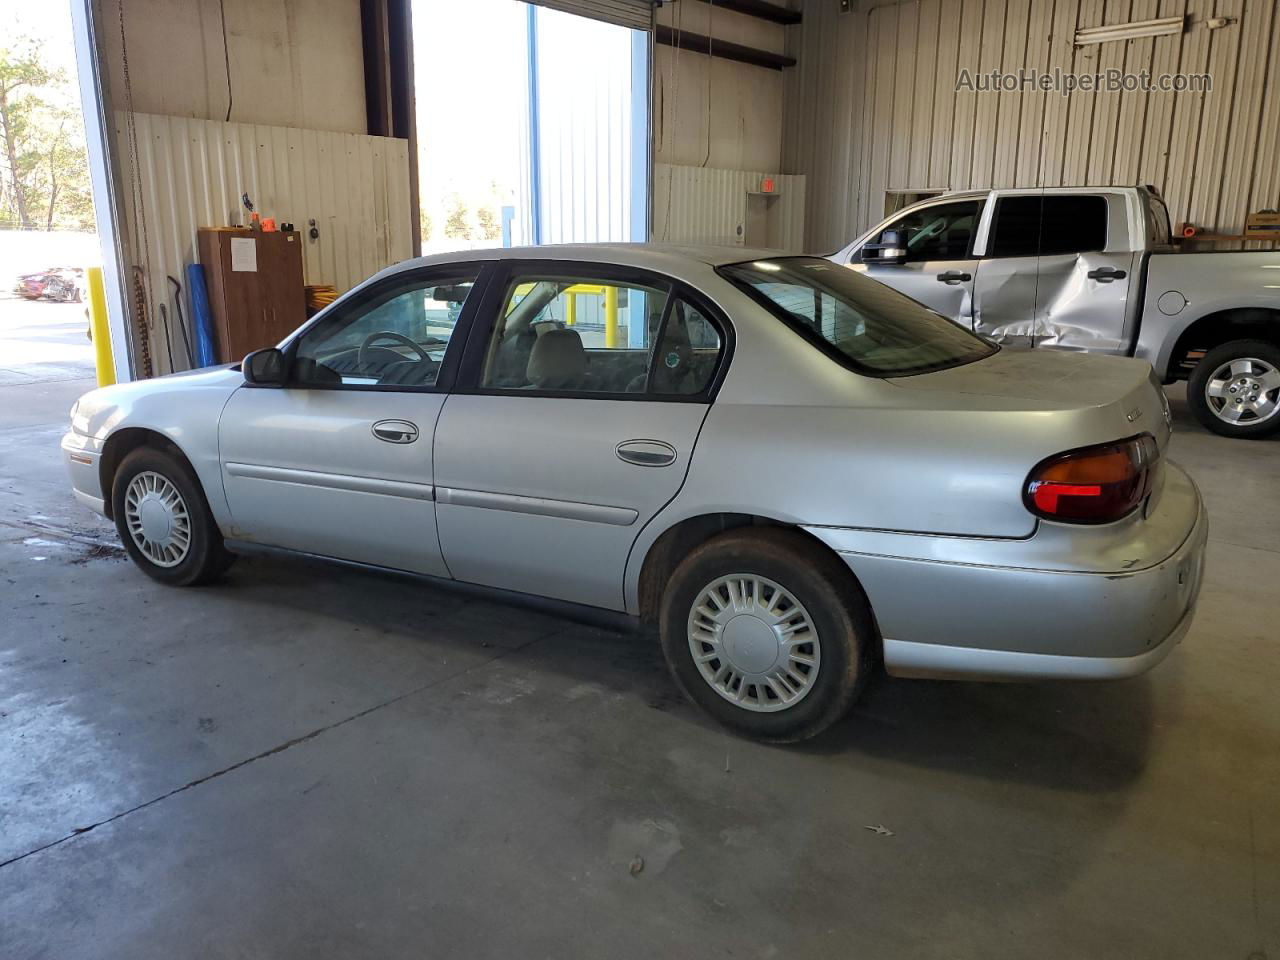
(873, 106)
(192, 173)
(586, 130)
(707, 205)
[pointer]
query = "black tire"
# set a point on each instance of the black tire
(822, 585)
(206, 558)
(1203, 372)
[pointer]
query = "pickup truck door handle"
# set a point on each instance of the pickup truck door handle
(954, 276)
(646, 453)
(1106, 274)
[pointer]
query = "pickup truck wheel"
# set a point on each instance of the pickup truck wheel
(1235, 390)
(164, 521)
(766, 633)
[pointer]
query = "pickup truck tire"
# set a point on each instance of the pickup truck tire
(1235, 390)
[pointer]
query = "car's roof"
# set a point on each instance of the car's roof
(653, 255)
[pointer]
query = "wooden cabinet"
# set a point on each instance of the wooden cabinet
(255, 288)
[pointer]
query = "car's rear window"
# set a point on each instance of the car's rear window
(864, 324)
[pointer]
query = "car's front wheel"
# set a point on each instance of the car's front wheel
(1235, 389)
(767, 633)
(164, 521)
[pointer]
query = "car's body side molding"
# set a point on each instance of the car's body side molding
(538, 506)
(337, 481)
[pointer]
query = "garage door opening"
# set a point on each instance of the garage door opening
(537, 135)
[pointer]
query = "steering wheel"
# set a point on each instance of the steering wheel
(363, 356)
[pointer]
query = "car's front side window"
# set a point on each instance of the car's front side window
(868, 326)
(941, 231)
(396, 336)
(566, 333)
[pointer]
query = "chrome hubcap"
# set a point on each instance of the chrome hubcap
(1244, 391)
(754, 643)
(157, 518)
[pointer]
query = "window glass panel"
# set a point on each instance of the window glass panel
(396, 339)
(940, 232)
(566, 333)
(686, 357)
(1070, 224)
(873, 327)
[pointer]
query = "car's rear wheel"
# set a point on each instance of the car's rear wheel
(164, 521)
(1235, 389)
(767, 633)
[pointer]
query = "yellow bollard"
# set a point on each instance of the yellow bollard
(98, 327)
(570, 309)
(610, 316)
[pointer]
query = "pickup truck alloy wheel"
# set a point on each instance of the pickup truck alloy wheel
(754, 643)
(1235, 389)
(158, 519)
(1243, 391)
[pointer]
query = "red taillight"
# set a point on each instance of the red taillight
(1094, 484)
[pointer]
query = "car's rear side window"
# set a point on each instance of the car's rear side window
(569, 333)
(1034, 225)
(864, 324)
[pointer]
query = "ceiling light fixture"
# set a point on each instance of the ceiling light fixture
(1131, 31)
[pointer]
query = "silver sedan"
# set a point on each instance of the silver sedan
(794, 472)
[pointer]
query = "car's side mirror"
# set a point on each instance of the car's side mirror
(892, 248)
(265, 368)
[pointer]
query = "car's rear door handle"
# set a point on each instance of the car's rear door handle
(646, 453)
(954, 276)
(1106, 274)
(396, 431)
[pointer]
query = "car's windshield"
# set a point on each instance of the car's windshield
(871, 327)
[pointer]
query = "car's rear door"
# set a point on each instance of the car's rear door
(1056, 272)
(339, 461)
(578, 406)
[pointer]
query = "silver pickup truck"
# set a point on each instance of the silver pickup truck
(1094, 269)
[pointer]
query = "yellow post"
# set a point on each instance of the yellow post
(570, 308)
(610, 316)
(98, 327)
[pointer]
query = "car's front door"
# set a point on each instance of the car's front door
(574, 420)
(939, 266)
(339, 462)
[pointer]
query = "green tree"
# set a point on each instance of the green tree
(490, 229)
(456, 226)
(21, 75)
(44, 175)
(426, 224)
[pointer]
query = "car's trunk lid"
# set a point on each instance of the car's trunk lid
(1119, 394)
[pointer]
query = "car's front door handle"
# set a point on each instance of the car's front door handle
(954, 276)
(1106, 274)
(396, 431)
(646, 453)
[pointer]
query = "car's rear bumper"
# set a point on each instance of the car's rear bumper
(1086, 604)
(82, 455)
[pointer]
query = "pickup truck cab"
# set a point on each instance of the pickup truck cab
(1094, 269)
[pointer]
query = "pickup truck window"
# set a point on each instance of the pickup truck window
(867, 326)
(942, 231)
(1029, 226)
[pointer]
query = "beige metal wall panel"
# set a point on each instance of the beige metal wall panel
(709, 205)
(873, 107)
(637, 14)
(191, 174)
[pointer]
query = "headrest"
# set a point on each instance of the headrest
(557, 360)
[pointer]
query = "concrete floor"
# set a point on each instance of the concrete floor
(312, 762)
